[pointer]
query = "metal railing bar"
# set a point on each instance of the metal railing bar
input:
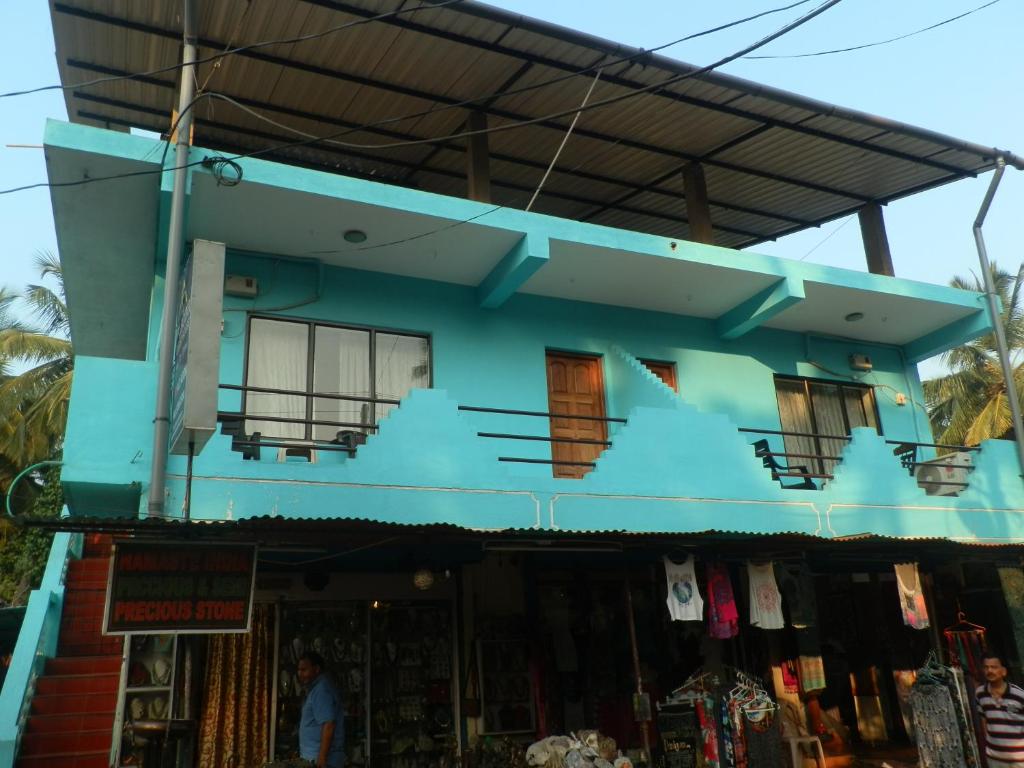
(804, 456)
(941, 482)
(548, 461)
(299, 393)
(793, 434)
(934, 464)
(546, 414)
(581, 440)
(292, 420)
(313, 446)
(803, 474)
(936, 445)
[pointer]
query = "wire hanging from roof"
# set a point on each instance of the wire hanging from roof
(880, 42)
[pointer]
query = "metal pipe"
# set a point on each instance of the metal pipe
(175, 244)
(993, 309)
(17, 478)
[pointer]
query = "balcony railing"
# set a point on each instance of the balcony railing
(909, 454)
(544, 438)
(770, 458)
(349, 437)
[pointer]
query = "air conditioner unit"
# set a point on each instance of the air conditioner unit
(943, 476)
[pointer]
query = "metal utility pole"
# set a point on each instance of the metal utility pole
(175, 243)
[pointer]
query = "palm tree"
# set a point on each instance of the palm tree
(969, 404)
(35, 372)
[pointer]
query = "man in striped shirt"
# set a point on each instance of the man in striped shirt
(1002, 709)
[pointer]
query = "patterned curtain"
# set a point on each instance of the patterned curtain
(234, 729)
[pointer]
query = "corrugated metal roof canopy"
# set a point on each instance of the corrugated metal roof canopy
(774, 162)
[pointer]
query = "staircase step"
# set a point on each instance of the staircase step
(89, 568)
(97, 545)
(79, 721)
(80, 760)
(75, 684)
(91, 647)
(89, 581)
(83, 665)
(68, 704)
(83, 610)
(73, 743)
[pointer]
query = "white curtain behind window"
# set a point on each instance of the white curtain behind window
(828, 412)
(342, 367)
(795, 415)
(277, 359)
(402, 364)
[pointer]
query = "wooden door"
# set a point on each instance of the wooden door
(575, 388)
(664, 371)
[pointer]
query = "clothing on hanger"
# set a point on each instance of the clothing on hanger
(684, 600)
(796, 583)
(765, 599)
(912, 603)
(723, 617)
(709, 729)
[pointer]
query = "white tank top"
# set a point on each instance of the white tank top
(765, 600)
(684, 601)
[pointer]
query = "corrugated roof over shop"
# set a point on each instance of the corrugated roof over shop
(775, 162)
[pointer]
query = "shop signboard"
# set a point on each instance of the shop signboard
(179, 587)
(196, 364)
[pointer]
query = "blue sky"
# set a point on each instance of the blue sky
(963, 79)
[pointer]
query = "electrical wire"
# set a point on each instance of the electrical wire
(331, 138)
(231, 51)
(826, 238)
(565, 140)
(880, 42)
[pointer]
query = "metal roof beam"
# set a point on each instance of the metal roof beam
(423, 164)
(366, 156)
(635, 188)
(441, 99)
(495, 47)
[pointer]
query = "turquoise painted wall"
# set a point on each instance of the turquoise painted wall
(678, 465)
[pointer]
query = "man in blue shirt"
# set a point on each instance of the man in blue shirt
(322, 723)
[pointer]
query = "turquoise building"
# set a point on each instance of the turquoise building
(445, 415)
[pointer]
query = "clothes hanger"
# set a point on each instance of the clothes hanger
(962, 624)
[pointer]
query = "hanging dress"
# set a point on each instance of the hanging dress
(723, 617)
(765, 600)
(936, 726)
(684, 601)
(708, 729)
(912, 604)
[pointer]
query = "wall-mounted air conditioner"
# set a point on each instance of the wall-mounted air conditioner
(947, 475)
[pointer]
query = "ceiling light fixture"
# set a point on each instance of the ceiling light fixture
(354, 236)
(853, 317)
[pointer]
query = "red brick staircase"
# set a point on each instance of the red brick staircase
(72, 717)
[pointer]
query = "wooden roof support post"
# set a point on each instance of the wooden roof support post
(698, 212)
(478, 159)
(876, 242)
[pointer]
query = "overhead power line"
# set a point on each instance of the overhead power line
(880, 42)
(331, 138)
